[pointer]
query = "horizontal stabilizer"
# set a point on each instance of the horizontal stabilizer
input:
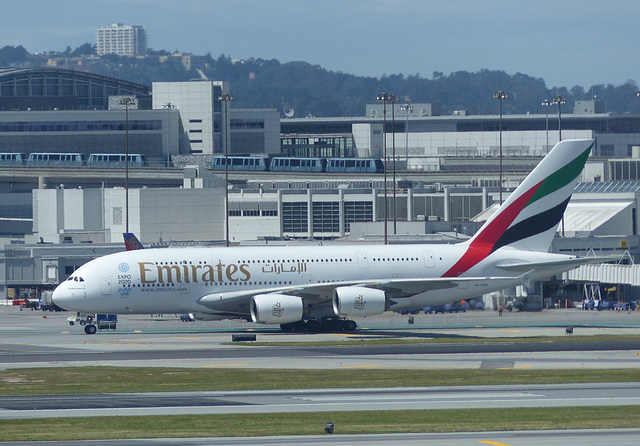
(565, 264)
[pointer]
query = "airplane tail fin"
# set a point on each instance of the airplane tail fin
(529, 218)
(131, 242)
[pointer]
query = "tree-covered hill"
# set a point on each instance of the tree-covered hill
(312, 90)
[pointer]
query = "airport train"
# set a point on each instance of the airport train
(56, 159)
(296, 164)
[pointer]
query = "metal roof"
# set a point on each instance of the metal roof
(588, 216)
(608, 186)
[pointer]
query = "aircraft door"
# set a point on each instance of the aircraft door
(429, 261)
(105, 286)
(362, 260)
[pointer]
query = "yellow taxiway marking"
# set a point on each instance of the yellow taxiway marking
(360, 366)
(226, 365)
(512, 331)
(493, 443)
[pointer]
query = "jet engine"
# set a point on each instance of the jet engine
(358, 301)
(276, 308)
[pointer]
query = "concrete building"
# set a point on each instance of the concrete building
(123, 40)
(427, 141)
(202, 115)
(100, 215)
(206, 126)
(151, 133)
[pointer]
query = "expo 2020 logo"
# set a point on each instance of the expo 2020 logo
(123, 267)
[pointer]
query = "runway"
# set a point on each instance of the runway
(319, 400)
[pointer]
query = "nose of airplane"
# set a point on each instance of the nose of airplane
(63, 297)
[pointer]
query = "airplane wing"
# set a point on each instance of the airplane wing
(565, 264)
(321, 293)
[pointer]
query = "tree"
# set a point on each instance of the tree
(10, 55)
(85, 49)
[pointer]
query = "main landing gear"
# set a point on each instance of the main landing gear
(324, 325)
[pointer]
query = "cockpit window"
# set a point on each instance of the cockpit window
(75, 279)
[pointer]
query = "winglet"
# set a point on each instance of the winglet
(131, 242)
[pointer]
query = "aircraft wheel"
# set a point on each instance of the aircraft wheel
(313, 325)
(287, 328)
(299, 326)
(90, 329)
(329, 325)
(350, 325)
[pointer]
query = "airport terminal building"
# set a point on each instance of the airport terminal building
(447, 174)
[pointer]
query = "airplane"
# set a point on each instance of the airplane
(317, 288)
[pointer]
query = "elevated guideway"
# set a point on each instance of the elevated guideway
(34, 177)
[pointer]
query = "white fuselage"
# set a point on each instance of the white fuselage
(174, 280)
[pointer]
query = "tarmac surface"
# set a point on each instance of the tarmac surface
(28, 339)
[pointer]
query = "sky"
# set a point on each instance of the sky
(565, 42)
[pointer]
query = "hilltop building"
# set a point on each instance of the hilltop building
(123, 40)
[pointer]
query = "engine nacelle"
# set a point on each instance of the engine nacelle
(358, 301)
(275, 308)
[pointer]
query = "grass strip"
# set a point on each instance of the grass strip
(369, 422)
(107, 379)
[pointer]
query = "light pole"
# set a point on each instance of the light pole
(226, 98)
(168, 106)
(559, 99)
(545, 104)
(408, 109)
(500, 95)
(126, 101)
(393, 99)
(384, 97)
